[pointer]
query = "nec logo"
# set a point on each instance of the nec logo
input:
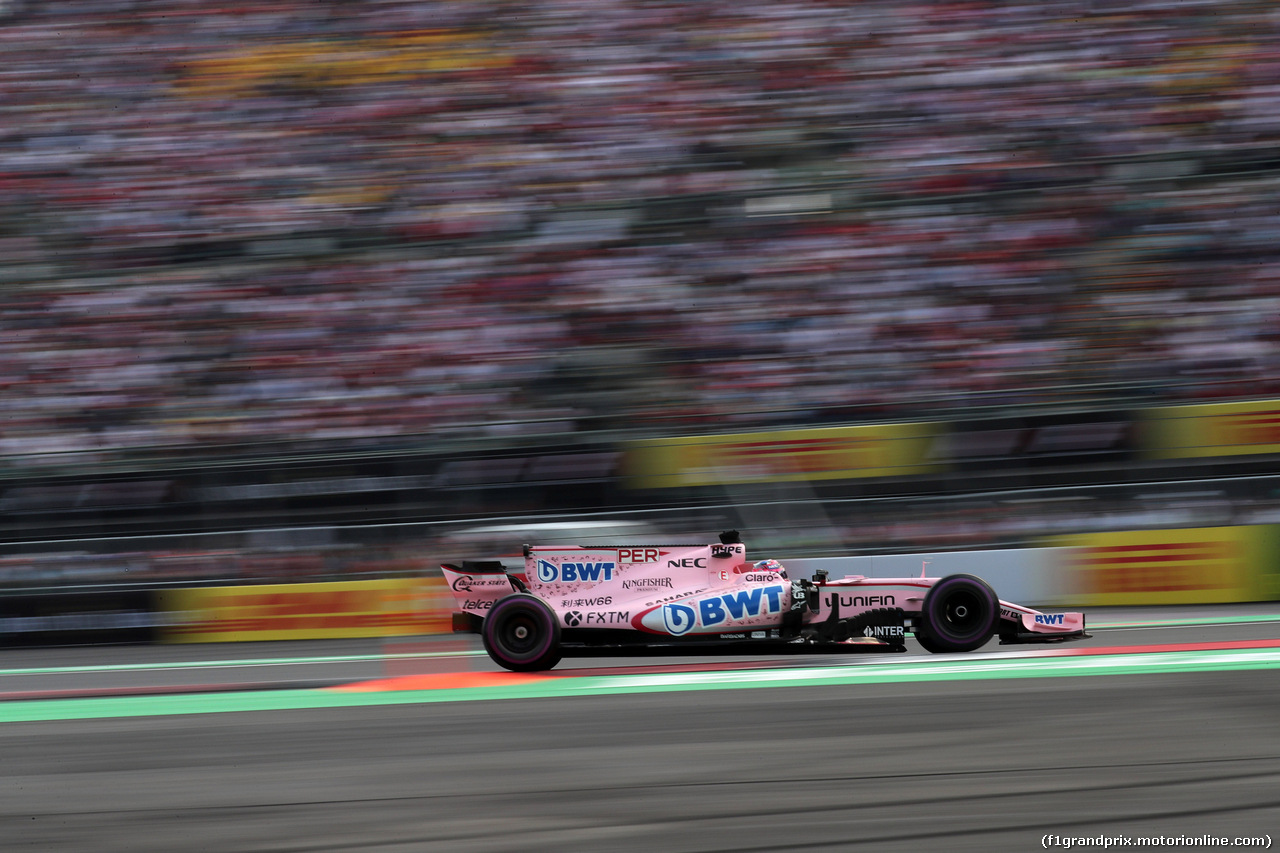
(574, 572)
(1049, 619)
(688, 563)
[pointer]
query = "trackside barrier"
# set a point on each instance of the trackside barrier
(1212, 429)
(1198, 565)
(1026, 575)
(74, 617)
(1194, 565)
(306, 611)
(824, 453)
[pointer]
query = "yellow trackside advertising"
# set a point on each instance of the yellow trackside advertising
(1202, 565)
(829, 453)
(335, 62)
(1216, 429)
(306, 611)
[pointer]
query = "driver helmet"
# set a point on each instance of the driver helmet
(770, 566)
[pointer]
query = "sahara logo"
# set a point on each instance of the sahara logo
(549, 572)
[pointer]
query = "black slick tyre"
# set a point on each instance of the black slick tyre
(959, 614)
(522, 634)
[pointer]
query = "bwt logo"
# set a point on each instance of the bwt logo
(1049, 618)
(740, 605)
(678, 618)
(574, 572)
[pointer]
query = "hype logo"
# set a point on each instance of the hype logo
(678, 618)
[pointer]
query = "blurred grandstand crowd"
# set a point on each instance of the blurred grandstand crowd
(354, 224)
(280, 219)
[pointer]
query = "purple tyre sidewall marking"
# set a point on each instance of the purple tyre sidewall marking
(536, 613)
(943, 593)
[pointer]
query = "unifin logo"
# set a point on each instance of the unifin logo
(678, 618)
(549, 572)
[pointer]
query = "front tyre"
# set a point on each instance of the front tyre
(522, 634)
(959, 614)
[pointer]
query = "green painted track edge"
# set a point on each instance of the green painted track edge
(358, 658)
(560, 687)
(232, 664)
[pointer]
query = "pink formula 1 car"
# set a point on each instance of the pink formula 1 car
(709, 598)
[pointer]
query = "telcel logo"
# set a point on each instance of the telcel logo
(549, 572)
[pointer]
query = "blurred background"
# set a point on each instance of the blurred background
(317, 291)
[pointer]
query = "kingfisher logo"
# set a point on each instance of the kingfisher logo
(678, 618)
(549, 572)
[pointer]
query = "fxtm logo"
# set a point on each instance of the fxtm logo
(574, 618)
(574, 572)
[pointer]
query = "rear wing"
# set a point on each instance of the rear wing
(475, 587)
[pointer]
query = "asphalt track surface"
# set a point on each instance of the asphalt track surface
(224, 748)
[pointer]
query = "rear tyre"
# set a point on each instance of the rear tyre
(959, 614)
(522, 634)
